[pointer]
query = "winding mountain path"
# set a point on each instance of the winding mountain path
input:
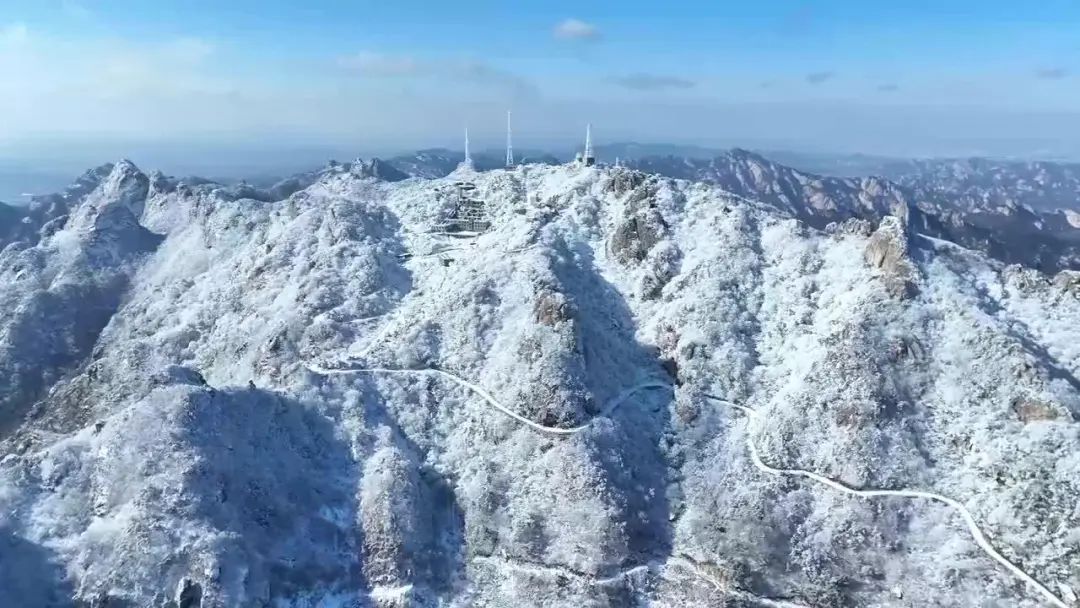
(752, 414)
(613, 403)
(660, 566)
(976, 533)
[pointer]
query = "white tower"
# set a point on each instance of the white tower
(509, 143)
(588, 158)
(468, 157)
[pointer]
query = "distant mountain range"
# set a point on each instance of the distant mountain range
(1018, 212)
(1024, 213)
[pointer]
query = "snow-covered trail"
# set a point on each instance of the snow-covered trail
(660, 565)
(492, 401)
(973, 527)
(690, 565)
(976, 533)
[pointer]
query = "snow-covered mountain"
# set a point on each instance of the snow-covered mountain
(1022, 213)
(312, 396)
(25, 224)
(996, 208)
(989, 186)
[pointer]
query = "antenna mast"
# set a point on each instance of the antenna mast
(509, 143)
(468, 158)
(587, 158)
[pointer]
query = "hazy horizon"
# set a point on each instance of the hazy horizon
(254, 89)
(200, 82)
(50, 166)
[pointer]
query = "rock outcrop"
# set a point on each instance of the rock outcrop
(887, 250)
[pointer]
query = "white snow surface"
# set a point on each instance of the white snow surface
(161, 423)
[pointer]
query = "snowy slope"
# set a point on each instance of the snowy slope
(188, 441)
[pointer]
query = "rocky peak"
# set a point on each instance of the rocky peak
(159, 184)
(887, 250)
(126, 186)
(378, 169)
(746, 156)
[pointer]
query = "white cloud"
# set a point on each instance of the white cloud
(62, 86)
(189, 49)
(13, 35)
(576, 29)
(174, 67)
(381, 65)
(483, 73)
(653, 82)
(370, 63)
(103, 89)
(75, 10)
(1052, 73)
(817, 78)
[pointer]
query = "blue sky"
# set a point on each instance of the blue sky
(915, 77)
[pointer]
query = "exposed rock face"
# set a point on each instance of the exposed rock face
(887, 250)
(165, 439)
(1068, 281)
(857, 226)
(552, 308)
(635, 236)
(625, 180)
(1025, 279)
(378, 169)
(1029, 410)
(189, 595)
(663, 262)
(643, 225)
(393, 518)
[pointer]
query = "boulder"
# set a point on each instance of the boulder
(552, 308)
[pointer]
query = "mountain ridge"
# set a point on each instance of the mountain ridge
(186, 450)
